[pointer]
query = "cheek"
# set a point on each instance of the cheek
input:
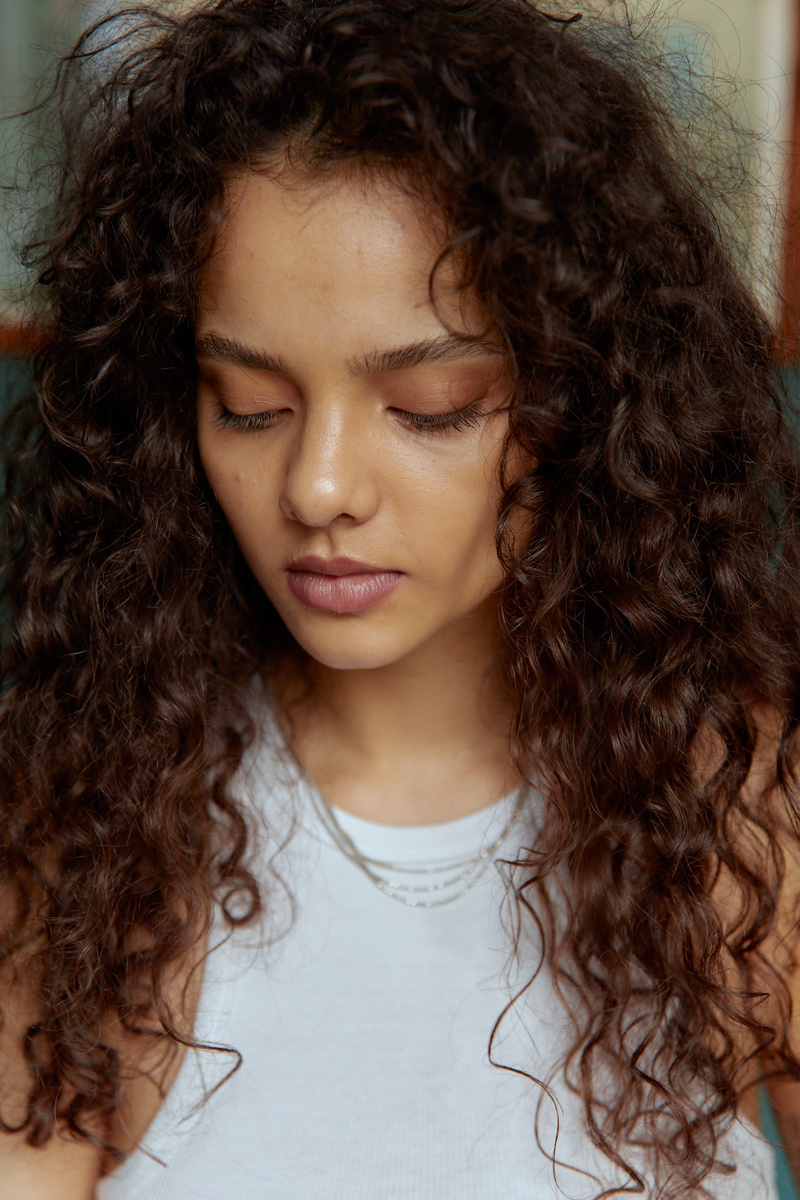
(239, 485)
(209, 453)
(457, 514)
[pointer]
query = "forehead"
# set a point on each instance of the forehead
(351, 210)
(347, 256)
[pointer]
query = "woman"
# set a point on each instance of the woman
(398, 732)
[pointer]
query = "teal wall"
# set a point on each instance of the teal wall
(14, 379)
(787, 1188)
(14, 376)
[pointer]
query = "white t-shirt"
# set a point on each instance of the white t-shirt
(363, 1028)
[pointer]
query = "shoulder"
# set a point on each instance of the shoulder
(148, 1072)
(765, 852)
(60, 1170)
(67, 1168)
(758, 823)
(755, 869)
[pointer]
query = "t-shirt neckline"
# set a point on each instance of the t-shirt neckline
(465, 835)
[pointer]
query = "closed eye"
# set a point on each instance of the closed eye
(462, 418)
(225, 419)
(446, 422)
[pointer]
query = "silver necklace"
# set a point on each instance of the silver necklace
(461, 873)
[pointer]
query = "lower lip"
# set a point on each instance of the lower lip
(342, 593)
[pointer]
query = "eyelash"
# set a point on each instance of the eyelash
(225, 419)
(464, 418)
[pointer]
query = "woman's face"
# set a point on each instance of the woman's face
(340, 419)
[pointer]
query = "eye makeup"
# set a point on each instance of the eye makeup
(461, 418)
(244, 422)
(436, 423)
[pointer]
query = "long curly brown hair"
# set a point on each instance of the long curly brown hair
(655, 604)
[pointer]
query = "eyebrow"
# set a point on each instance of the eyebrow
(444, 348)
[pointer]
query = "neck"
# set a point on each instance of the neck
(419, 741)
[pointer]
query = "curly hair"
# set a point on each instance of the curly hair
(654, 605)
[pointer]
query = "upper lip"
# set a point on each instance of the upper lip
(332, 566)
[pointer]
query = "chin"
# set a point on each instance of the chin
(348, 645)
(342, 655)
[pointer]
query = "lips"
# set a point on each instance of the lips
(339, 585)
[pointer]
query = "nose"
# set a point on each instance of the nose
(329, 473)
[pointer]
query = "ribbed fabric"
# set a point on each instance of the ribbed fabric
(364, 1028)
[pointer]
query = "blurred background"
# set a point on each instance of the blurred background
(749, 50)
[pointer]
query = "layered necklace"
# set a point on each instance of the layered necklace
(411, 883)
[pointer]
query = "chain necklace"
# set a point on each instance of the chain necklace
(463, 873)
